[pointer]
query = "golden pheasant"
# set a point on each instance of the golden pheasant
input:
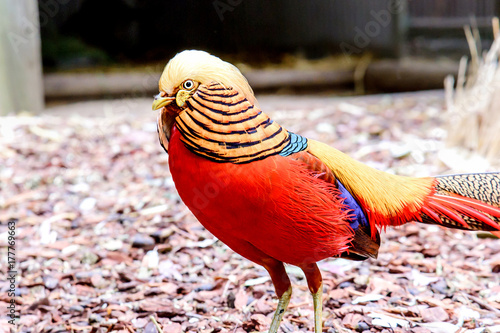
(276, 197)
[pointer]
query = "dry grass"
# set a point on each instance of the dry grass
(474, 105)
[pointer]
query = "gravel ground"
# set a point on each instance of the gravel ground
(104, 244)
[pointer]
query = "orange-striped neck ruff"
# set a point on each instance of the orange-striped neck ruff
(219, 123)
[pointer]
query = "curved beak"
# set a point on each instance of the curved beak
(160, 101)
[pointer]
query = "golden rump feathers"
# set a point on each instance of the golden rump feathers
(204, 68)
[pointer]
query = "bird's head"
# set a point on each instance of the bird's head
(189, 69)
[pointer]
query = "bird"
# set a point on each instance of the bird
(276, 197)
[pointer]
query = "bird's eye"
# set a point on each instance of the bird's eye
(188, 84)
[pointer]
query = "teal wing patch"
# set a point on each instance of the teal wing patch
(296, 143)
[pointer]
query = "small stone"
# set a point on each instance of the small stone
(50, 282)
(414, 291)
(82, 275)
(113, 244)
(440, 287)
(362, 326)
(20, 291)
(345, 284)
(151, 259)
(361, 279)
(70, 250)
(143, 242)
(95, 318)
(150, 328)
(325, 128)
(205, 287)
(90, 258)
(98, 281)
(79, 188)
(76, 308)
(162, 234)
(399, 150)
(109, 322)
(88, 204)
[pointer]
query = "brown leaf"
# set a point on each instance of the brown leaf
(241, 299)
(172, 328)
(117, 257)
(434, 314)
(338, 293)
(169, 288)
(127, 286)
(431, 252)
(351, 320)
(379, 285)
(260, 321)
(28, 320)
(204, 295)
(262, 306)
(43, 301)
(98, 281)
(162, 307)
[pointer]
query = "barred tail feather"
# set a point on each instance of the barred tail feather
(469, 202)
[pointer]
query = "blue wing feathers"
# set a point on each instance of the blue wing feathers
(296, 143)
(359, 217)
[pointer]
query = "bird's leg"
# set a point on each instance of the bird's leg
(283, 289)
(280, 310)
(318, 310)
(315, 284)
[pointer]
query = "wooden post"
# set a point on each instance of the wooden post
(21, 87)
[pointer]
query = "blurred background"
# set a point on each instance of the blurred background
(118, 48)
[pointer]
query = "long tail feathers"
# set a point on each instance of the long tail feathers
(470, 202)
(462, 213)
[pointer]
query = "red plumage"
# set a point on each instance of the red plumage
(275, 204)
